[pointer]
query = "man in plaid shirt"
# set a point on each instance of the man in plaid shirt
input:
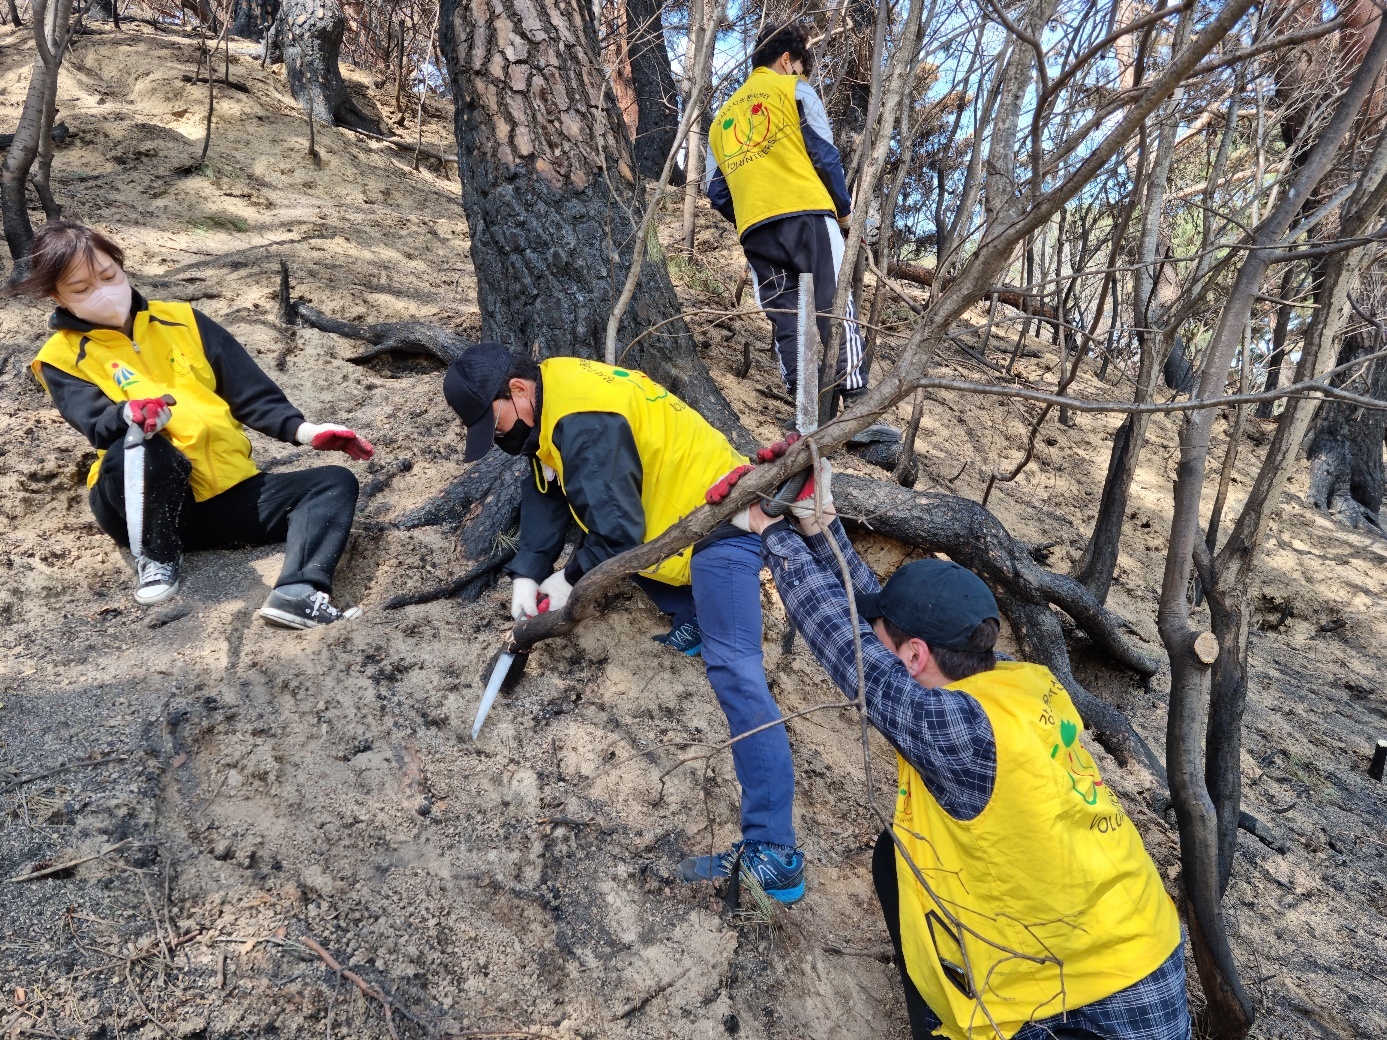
(929, 632)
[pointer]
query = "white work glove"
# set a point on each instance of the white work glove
(524, 598)
(557, 588)
(803, 509)
(332, 437)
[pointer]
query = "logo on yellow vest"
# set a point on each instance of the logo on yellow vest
(1083, 774)
(123, 376)
(748, 133)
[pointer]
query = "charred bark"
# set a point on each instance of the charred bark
(1345, 450)
(550, 191)
(13, 11)
(250, 17)
(102, 11)
(310, 34)
(652, 81)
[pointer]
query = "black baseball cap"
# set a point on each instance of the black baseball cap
(934, 600)
(472, 382)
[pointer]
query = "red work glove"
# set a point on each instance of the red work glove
(724, 486)
(777, 449)
(151, 414)
(335, 438)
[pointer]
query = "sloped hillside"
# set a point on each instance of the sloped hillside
(270, 788)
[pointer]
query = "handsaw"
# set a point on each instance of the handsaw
(505, 672)
(134, 482)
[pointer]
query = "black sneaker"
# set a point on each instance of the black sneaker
(306, 611)
(157, 581)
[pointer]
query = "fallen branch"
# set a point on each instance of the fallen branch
(71, 864)
(397, 337)
(406, 146)
(368, 989)
(645, 999)
(1010, 295)
(190, 78)
(69, 767)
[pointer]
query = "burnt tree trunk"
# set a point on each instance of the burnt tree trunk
(652, 80)
(310, 34)
(51, 20)
(249, 18)
(102, 11)
(1345, 450)
(550, 191)
(13, 10)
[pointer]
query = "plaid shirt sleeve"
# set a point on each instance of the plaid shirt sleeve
(944, 734)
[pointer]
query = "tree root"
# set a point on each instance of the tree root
(389, 337)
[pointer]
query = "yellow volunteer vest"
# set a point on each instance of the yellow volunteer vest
(1051, 867)
(759, 147)
(681, 455)
(165, 356)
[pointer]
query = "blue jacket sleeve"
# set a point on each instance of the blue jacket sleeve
(818, 140)
(715, 184)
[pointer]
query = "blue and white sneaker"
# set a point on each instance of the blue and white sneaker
(687, 639)
(778, 869)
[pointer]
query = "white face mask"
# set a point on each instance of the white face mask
(107, 306)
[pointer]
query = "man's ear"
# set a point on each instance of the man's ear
(516, 386)
(920, 656)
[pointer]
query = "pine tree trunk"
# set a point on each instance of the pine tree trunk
(1345, 452)
(310, 32)
(249, 17)
(652, 80)
(550, 191)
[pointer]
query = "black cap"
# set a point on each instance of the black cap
(934, 600)
(472, 382)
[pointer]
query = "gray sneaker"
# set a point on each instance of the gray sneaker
(307, 611)
(157, 581)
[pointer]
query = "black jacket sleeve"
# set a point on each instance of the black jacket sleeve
(544, 520)
(719, 194)
(94, 415)
(602, 479)
(254, 398)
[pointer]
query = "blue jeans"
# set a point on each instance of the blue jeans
(726, 593)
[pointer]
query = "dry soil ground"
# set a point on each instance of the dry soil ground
(273, 786)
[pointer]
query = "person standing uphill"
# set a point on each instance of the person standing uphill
(627, 459)
(116, 360)
(775, 173)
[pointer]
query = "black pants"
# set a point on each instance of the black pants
(309, 510)
(923, 1021)
(779, 251)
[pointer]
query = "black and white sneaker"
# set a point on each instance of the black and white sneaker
(157, 581)
(307, 611)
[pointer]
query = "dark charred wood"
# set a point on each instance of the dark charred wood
(1177, 373)
(217, 81)
(551, 198)
(381, 480)
(478, 483)
(390, 337)
(60, 134)
(467, 586)
(652, 80)
(309, 32)
(1345, 445)
(249, 18)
